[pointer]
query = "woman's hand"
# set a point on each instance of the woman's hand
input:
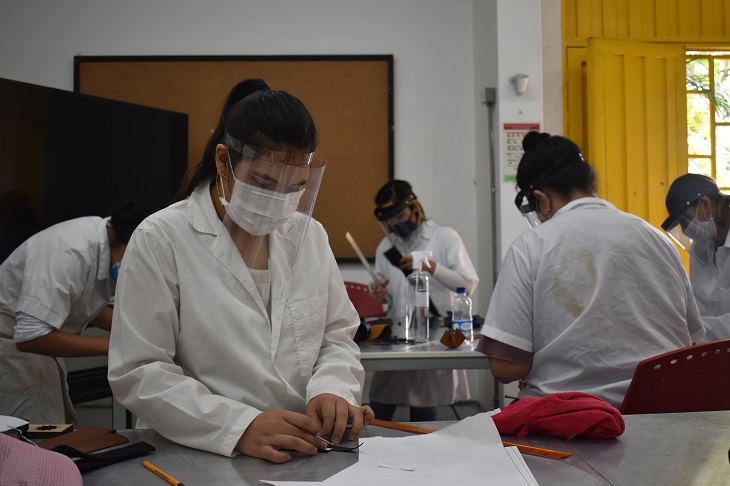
(333, 413)
(367, 414)
(406, 263)
(380, 290)
(280, 429)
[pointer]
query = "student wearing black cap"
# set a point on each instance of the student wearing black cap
(699, 217)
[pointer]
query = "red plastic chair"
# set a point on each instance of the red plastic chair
(365, 304)
(692, 379)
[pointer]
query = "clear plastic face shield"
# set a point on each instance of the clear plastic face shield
(399, 222)
(527, 206)
(269, 202)
(693, 231)
(525, 200)
(676, 231)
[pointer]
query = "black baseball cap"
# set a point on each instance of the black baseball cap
(685, 191)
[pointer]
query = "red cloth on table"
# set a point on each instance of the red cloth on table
(562, 414)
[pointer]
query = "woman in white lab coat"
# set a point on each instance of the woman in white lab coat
(588, 292)
(407, 230)
(699, 218)
(52, 287)
(232, 327)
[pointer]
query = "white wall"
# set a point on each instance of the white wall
(519, 52)
(431, 40)
(446, 52)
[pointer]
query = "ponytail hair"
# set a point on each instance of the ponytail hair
(206, 167)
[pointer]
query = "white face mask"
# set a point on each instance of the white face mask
(260, 211)
(701, 230)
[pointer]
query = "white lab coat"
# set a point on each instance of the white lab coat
(420, 388)
(710, 277)
(194, 353)
(591, 293)
(61, 277)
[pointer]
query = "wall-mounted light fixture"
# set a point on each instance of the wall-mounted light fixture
(519, 83)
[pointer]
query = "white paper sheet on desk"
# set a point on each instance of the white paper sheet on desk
(467, 452)
(7, 423)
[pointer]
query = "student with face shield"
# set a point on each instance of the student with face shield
(233, 331)
(407, 229)
(699, 217)
(588, 292)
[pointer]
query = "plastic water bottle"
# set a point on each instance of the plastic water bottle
(417, 299)
(461, 314)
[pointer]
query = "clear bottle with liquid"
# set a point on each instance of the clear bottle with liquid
(461, 317)
(417, 300)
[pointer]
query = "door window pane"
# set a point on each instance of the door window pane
(698, 125)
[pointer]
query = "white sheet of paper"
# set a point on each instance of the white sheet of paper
(465, 453)
(7, 422)
(519, 462)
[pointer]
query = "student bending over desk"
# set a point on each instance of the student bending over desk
(588, 292)
(54, 285)
(232, 327)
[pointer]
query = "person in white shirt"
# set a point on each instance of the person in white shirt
(588, 292)
(407, 229)
(699, 218)
(52, 287)
(232, 329)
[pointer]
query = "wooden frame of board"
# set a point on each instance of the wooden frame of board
(350, 98)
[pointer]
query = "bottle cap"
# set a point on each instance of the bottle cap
(461, 290)
(418, 257)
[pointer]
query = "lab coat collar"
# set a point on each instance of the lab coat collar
(727, 241)
(204, 219)
(426, 230)
(422, 234)
(105, 254)
(201, 212)
(584, 203)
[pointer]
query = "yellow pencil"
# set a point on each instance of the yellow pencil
(525, 449)
(162, 474)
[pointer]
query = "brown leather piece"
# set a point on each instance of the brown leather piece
(452, 338)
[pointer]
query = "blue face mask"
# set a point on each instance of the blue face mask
(114, 271)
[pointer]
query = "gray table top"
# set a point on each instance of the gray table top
(383, 356)
(662, 449)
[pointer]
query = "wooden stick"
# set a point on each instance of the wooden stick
(525, 449)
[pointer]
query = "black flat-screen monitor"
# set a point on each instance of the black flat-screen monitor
(64, 155)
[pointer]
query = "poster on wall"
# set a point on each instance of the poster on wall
(513, 133)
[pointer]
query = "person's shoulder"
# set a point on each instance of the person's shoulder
(76, 225)
(171, 215)
(315, 234)
(642, 225)
(314, 227)
(166, 224)
(384, 244)
(441, 231)
(74, 234)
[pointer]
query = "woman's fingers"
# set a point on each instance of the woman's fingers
(279, 429)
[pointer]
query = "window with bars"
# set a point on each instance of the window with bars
(708, 115)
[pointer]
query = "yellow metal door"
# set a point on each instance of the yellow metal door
(637, 122)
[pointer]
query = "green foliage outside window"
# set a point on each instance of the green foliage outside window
(708, 115)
